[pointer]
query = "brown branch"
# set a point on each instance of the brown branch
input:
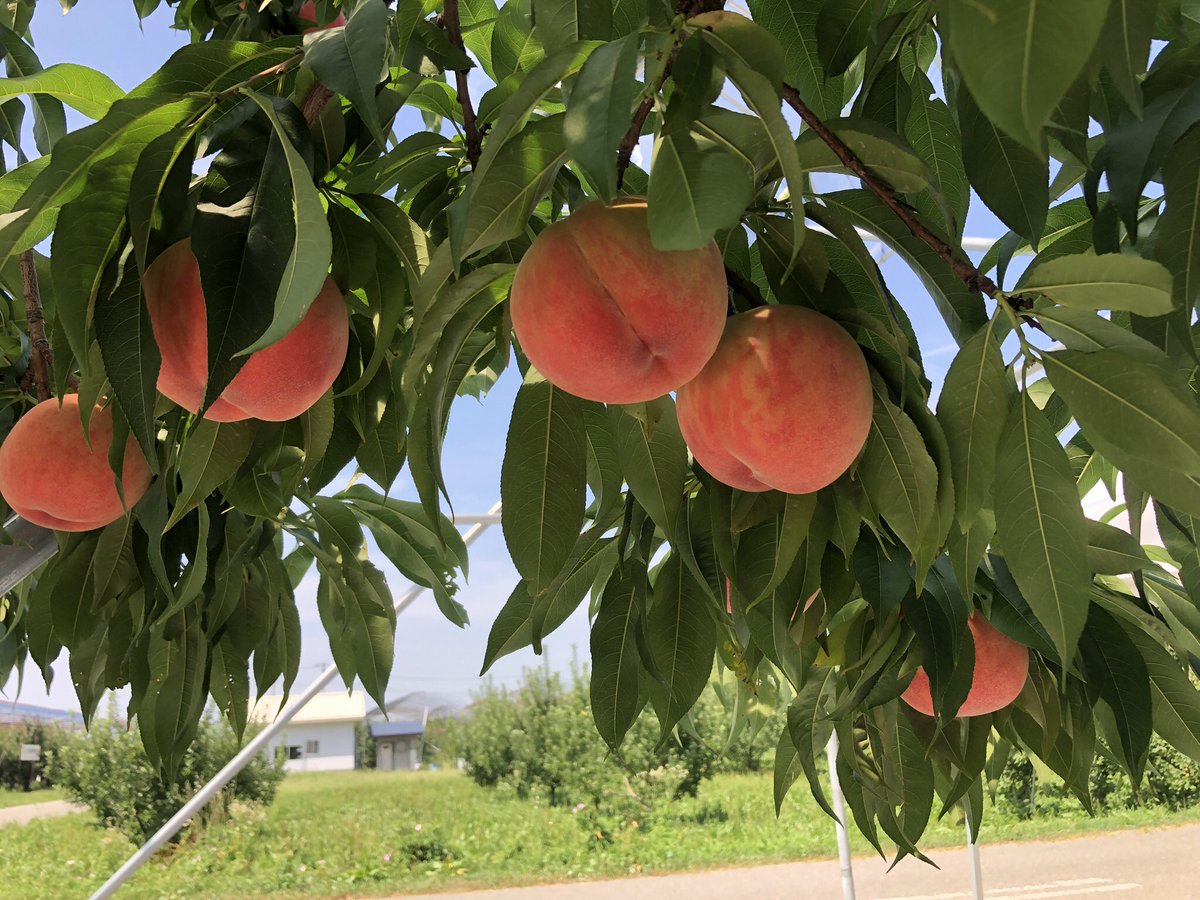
(315, 102)
(473, 136)
(41, 357)
(265, 75)
(973, 278)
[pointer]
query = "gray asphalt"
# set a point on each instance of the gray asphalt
(1163, 864)
(22, 815)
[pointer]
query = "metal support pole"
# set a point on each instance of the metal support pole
(839, 807)
(973, 862)
(32, 545)
(247, 753)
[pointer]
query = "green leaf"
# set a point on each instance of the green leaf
(170, 710)
(49, 118)
(158, 186)
(519, 175)
(76, 155)
(414, 159)
(763, 100)
(615, 670)
(309, 254)
(246, 211)
(1084, 330)
(1108, 281)
(516, 47)
(681, 639)
(1176, 702)
(356, 611)
(1117, 671)
(131, 356)
(598, 111)
(209, 67)
(352, 60)
(843, 28)
(898, 473)
(885, 153)
(563, 22)
(542, 481)
(795, 26)
(809, 728)
(1112, 551)
(696, 190)
(1125, 46)
(930, 128)
(212, 453)
(83, 89)
(1011, 180)
(1027, 66)
(653, 459)
(738, 37)
(961, 308)
(1125, 407)
(381, 454)
(1177, 236)
(1041, 526)
(972, 408)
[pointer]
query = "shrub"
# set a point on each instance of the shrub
(12, 770)
(108, 770)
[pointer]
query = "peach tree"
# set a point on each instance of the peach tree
(787, 501)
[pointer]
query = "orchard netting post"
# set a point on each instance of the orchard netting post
(263, 738)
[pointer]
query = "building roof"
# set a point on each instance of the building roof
(18, 713)
(396, 729)
(418, 705)
(331, 706)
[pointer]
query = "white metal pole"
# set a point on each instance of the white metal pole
(973, 861)
(247, 753)
(839, 807)
(32, 545)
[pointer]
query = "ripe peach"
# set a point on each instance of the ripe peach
(51, 477)
(1001, 667)
(277, 383)
(784, 403)
(308, 13)
(604, 315)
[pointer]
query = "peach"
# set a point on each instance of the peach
(785, 402)
(277, 383)
(51, 477)
(604, 315)
(1001, 667)
(308, 13)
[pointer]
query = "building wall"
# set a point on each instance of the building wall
(406, 753)
(335, 746)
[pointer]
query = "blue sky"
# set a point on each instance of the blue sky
(431, 654)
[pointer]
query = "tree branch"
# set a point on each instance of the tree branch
(474, 137)
(41, 357)
(265, 75)
(315, 102)
(973, 278)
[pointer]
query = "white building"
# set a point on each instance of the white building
(322, 735)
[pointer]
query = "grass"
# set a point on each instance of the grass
(20, 798)
(370, 833)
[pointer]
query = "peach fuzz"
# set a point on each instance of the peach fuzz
(276, 383)
(785, 402)
(605, 316)
(51, 477)
(1001, 667)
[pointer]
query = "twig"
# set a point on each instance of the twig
(41, 357)
(473, 136)
(743, 287)
(265, 75)
(974, 279)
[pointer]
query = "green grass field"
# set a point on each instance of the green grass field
(20, 798)
(368, 833)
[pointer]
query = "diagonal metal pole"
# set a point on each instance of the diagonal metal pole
(257, 744)
(974, 865)
(32, 545)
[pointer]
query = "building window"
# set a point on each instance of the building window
(294, 752)
(312, 747)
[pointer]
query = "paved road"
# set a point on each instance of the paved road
(1162, 864)
(21, 815)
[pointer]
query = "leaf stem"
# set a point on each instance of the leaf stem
(474, 137)
(41, 357)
